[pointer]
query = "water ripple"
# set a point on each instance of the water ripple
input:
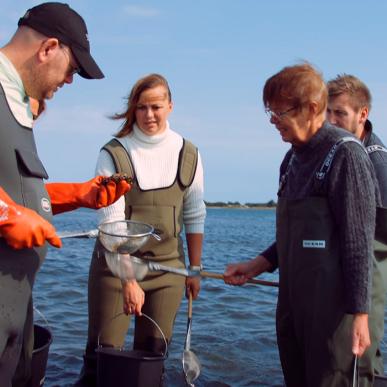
(233, 331)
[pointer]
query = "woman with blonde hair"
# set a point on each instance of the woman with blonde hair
(167, 192)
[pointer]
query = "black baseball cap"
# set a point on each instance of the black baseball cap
(58, 20)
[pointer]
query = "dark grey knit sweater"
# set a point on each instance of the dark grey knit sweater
(352, 193)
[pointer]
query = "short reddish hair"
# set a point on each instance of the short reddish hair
(295, 86)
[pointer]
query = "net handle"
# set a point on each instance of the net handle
(41, 315)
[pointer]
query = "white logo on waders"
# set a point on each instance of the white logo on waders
(45, 203)
(309, 244)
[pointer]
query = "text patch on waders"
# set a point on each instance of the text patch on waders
(313, 330)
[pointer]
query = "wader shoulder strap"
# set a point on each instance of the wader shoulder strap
(284, 177)
(326, 165)
(120, 157)
(375, 148)
(188, 161)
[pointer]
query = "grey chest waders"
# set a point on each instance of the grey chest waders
(22, 178)
(379, 285)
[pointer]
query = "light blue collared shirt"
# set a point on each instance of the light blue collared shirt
(15, 93)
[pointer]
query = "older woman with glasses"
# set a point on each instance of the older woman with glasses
(324, 239)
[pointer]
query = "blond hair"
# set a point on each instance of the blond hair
(357, 91)
(129, 115)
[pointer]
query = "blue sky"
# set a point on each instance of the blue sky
(216, 55)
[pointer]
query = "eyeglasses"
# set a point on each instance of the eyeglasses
(71, 70)
(280, 115)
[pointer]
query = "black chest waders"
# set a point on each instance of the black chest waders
(313, 330)
(22, 178)
(163, 209)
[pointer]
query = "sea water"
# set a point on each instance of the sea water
(233, 328)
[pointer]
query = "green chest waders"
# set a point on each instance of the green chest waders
(163, 209)
(379, 288)
(21, 176)
(380, 245)
(380, 266)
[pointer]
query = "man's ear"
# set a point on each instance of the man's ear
(363, 115)
(48, 49)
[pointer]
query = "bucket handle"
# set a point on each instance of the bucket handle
(41, 315)
(142, 315)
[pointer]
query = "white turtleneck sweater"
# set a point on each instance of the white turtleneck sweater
(155, 161)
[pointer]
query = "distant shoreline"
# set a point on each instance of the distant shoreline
(248, 206)
(242, 207)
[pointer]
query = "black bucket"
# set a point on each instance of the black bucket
(380, 381)
(42, 342)
(123, 368)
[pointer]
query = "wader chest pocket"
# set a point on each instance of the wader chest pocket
(163, 219)
(32, 173)
(30, 163)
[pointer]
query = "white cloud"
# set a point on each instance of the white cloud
(141, 11)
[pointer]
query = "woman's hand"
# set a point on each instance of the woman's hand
(192, 285)
(360, 334)
(239, 273)
(133, 297)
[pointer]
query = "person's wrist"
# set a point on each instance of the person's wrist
(361, 315)
(129, 282)
(258, 265)
(197, 267)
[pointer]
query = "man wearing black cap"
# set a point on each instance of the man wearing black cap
(49, 47)
(59, 21)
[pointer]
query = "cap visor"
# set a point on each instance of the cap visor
(89, 69)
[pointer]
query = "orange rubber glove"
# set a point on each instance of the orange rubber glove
(95, 193)
(22, 227)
